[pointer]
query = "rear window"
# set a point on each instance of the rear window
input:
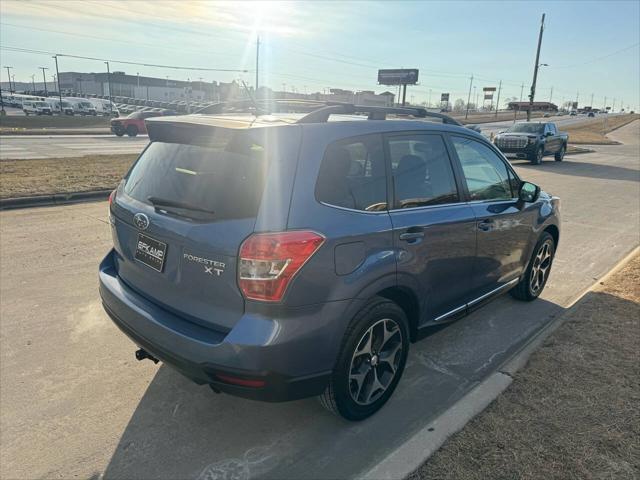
(222, 180)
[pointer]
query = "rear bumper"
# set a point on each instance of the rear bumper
(293, 355)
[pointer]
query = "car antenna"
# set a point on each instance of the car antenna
(253, 100)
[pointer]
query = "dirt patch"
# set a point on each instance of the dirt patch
(594, 132)
(573, 411)
(20, 178)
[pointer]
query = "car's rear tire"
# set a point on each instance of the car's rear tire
(536, 158)
(560, 153)
(371, 361)
(535, 278)
(132, 130)
(119, 133)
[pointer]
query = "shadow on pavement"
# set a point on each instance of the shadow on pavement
(583, 169)
(181, 430)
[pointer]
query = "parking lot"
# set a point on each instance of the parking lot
(77, 403)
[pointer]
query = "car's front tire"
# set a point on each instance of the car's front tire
(560, 153)
(535, 278)
(371, 361)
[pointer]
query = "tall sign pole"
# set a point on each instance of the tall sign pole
(535, 70)
(109, 86)
(257, 62)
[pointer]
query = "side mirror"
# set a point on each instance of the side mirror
(528, 192)
(548, 134)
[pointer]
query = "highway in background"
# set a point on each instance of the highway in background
(59, 146)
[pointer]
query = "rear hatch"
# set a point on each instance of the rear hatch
(181, 214)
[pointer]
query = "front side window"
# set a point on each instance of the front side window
(486, 175)
(352, 175)
(422, 172)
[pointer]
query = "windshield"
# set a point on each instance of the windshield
(526, 128)
(224, 180)
(41, 104)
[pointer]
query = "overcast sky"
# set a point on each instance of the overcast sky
(591, 47)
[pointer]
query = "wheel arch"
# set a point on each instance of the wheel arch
(554, 232)
(407, 300)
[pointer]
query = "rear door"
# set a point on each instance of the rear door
(554, 140)
(182, 213)
(434, 230)
(504, 225)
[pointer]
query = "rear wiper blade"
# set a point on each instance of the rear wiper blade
(162, 202)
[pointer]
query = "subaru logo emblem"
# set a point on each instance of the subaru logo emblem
(141, 221)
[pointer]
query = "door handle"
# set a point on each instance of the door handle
(485, 225)
(413, 233)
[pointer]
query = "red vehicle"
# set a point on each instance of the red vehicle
(133, 124)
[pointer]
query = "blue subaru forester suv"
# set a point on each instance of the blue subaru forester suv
(281, 256)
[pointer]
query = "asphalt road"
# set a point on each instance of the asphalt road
(563, 121)
(60, 146)
(75, 402)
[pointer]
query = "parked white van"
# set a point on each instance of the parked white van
(30, 107)
(102, 107)
(82, 106)
(67, 108)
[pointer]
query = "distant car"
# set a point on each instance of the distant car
(532, 141)
(591, 114)
(573, 113)
(546, 115)
(133, 124)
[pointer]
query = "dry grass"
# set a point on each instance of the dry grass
(490, 117)
(19, 178)
(572, 413)
(12, 122)
(593, 132)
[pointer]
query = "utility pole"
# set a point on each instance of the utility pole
(257, 62)
(613, 106)
(551, 95)
(44, 80)
(9, 75)
(605, 104)
(466, 115)
(33, 82)
(59, 89)
(577, 97)
(498, 100)
(521, 91)
(109, 86)
(429, 98)
(535, 70)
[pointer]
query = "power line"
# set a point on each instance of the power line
(124, 62)
(598, 58)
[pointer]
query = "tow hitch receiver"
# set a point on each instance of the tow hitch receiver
(142, 354)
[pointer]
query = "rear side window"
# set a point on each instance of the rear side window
(486, 175)
(223, 180)
(422, 172)
(352, 174)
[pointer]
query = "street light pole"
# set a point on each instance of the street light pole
(498, 100)
(44, 80)
(257, 61)
(466, 115)
(9, 75)
(535, 71)
(59, 89)
(109, 86)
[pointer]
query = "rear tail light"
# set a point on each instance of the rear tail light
(112, 196)
(269, 261)
(243, 382)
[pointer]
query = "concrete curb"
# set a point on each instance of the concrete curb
(53, 199)
(416, 450)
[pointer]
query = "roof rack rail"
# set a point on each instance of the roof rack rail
(374, 113)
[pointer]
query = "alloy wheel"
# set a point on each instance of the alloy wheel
(541, 267)
(375, 361)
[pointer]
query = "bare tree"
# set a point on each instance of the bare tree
(459, 105)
